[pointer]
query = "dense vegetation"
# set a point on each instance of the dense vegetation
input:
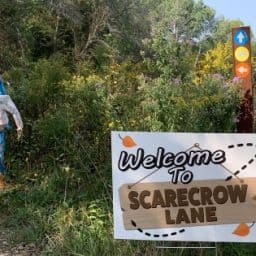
(77, 70)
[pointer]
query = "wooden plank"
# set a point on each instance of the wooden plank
(204, 202)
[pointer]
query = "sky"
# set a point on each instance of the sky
(244, 10)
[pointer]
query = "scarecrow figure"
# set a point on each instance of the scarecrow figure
(6, 106)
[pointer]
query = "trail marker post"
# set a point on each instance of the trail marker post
(241, 40)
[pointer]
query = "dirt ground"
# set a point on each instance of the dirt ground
(20, 249)
(7, 249)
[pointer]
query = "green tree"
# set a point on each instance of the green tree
(222, 31)
(172, 51)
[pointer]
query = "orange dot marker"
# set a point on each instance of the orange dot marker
(242, 70)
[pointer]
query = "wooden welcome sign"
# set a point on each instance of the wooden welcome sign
(184, 186)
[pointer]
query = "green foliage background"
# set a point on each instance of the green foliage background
(79, 69)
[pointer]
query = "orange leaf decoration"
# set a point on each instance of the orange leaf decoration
(128, 142)
(242, 230)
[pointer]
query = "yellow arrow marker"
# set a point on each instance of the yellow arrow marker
(242, 54)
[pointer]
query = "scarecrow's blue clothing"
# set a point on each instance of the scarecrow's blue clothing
(2, 148)
(2, 89)
(2, 136)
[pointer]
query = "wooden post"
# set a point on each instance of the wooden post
(241, 38)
